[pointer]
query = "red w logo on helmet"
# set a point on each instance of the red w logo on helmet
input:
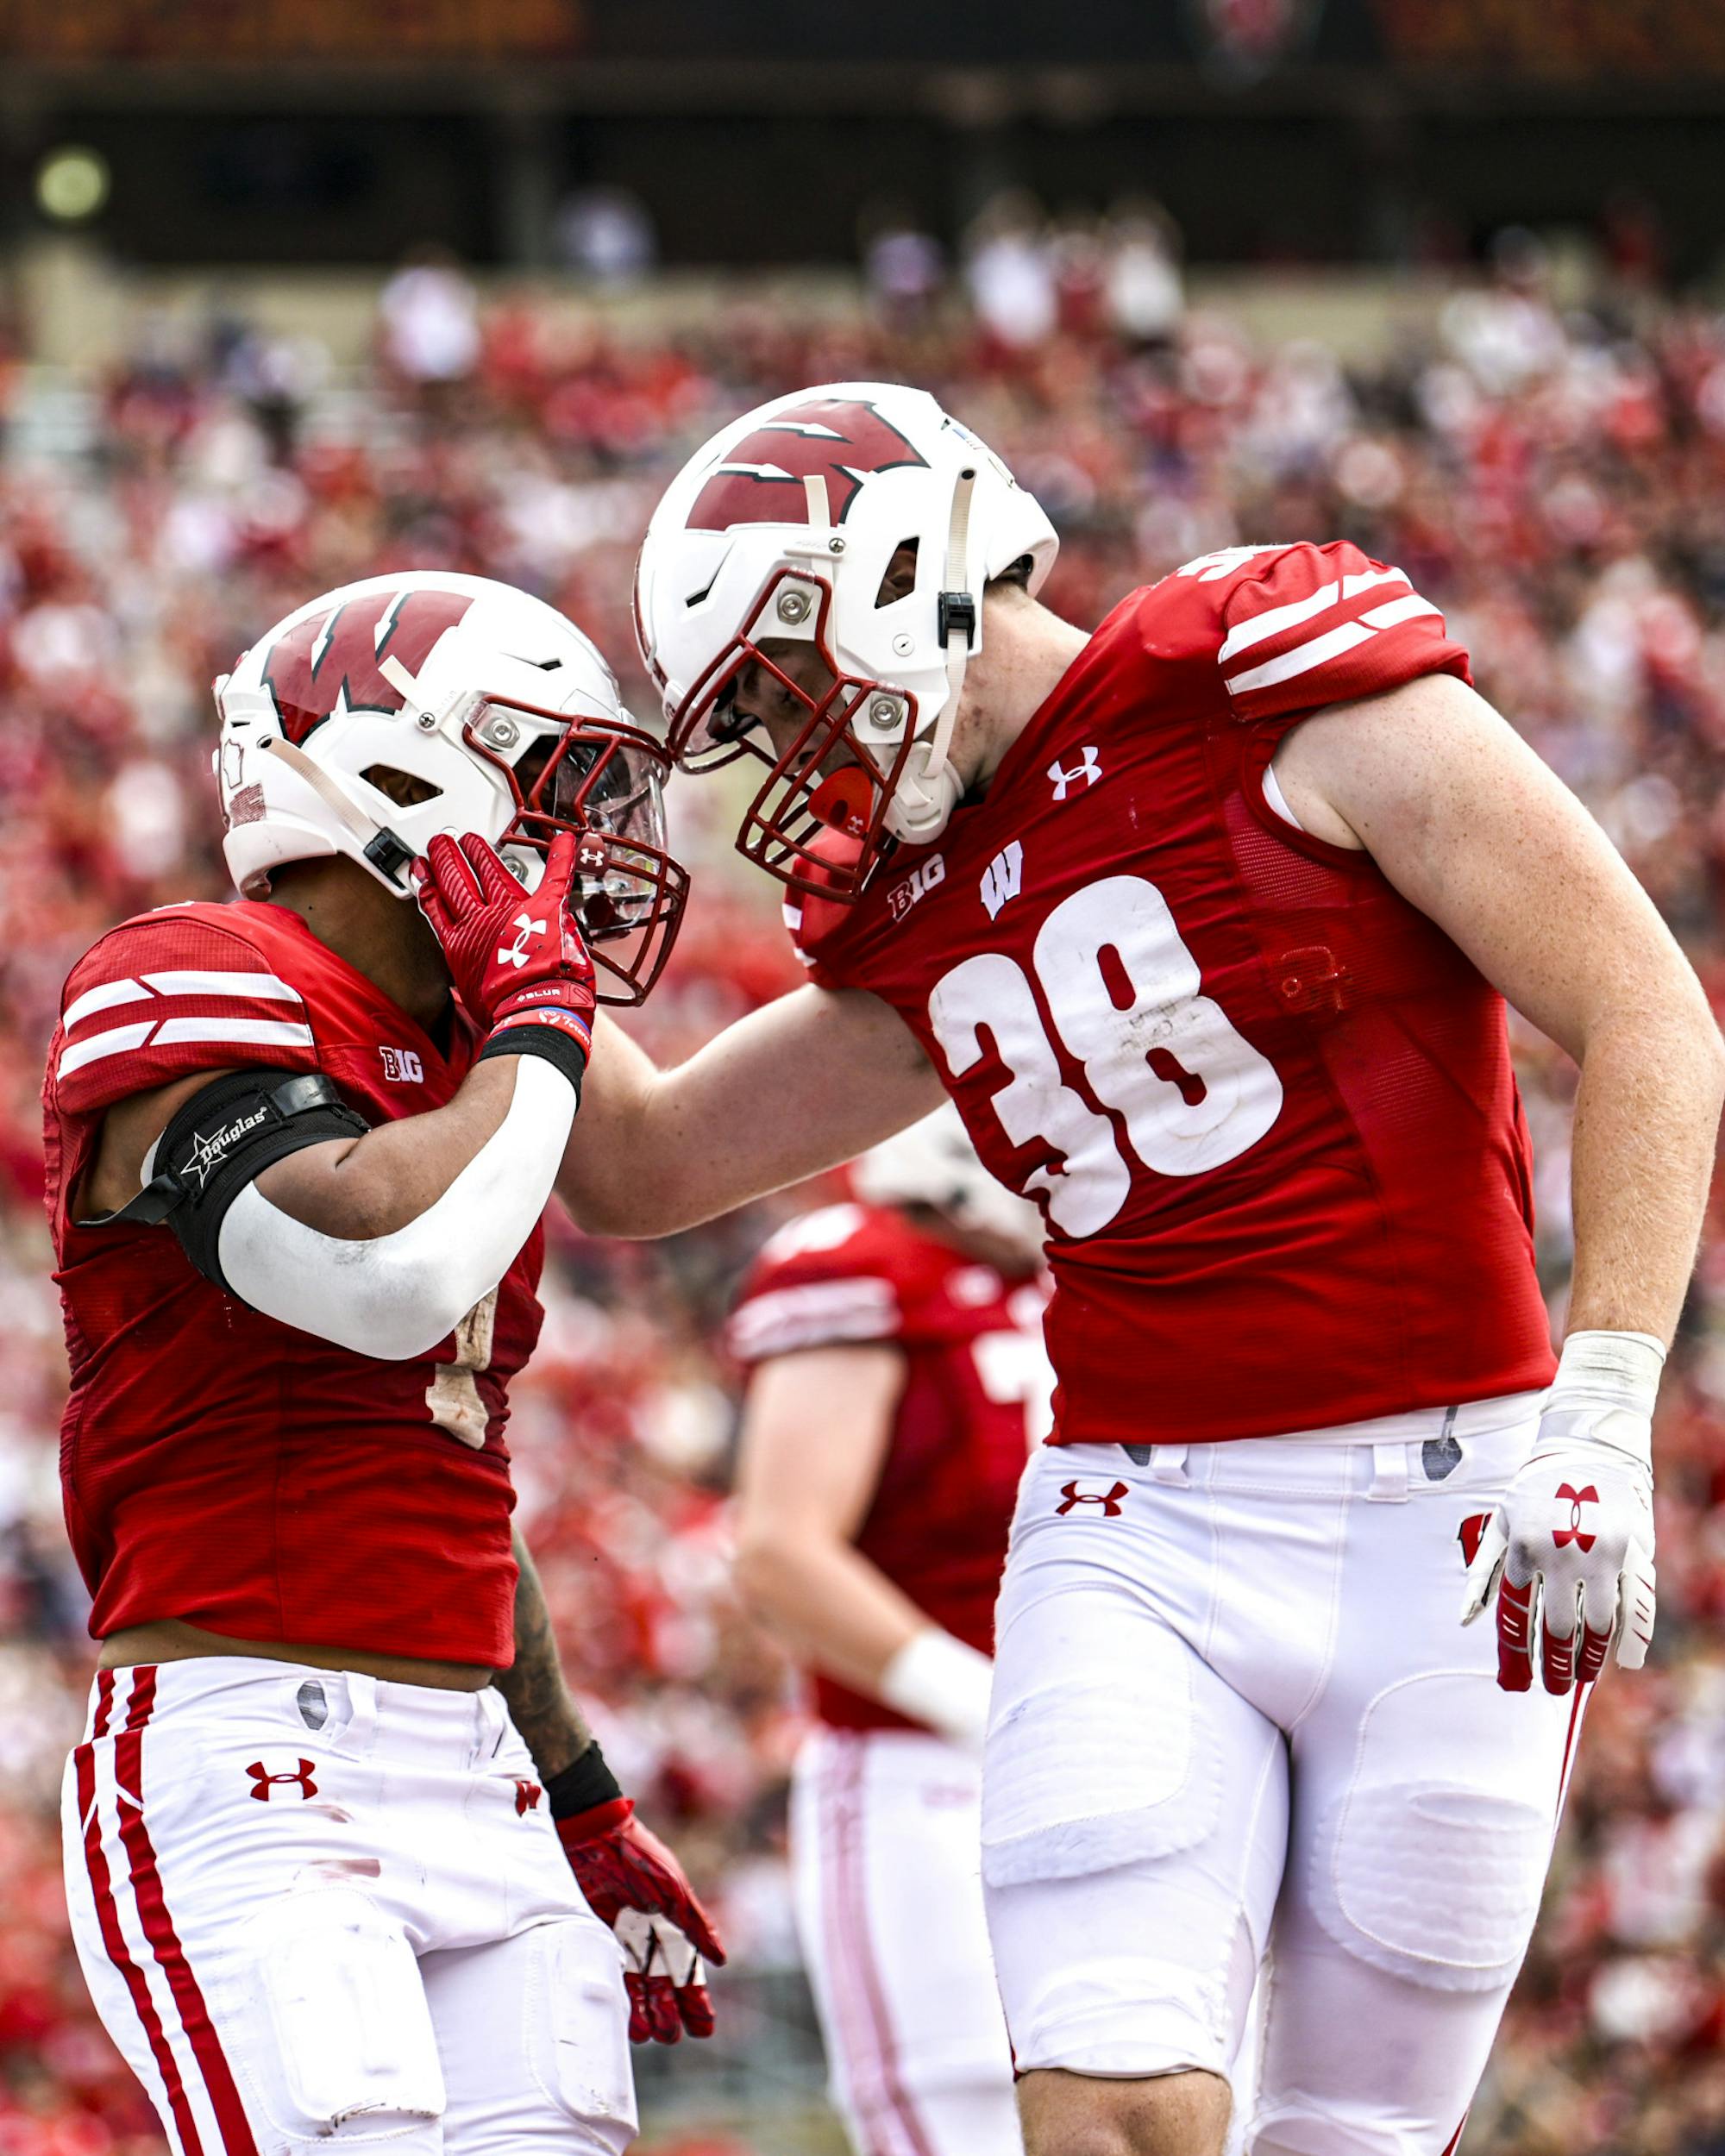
(829, 438)
(331, 661)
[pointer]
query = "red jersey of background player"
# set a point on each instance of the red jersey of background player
(1266, 1103)
(975, 1397)
(218, 1466)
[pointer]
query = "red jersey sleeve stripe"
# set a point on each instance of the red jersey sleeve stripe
(1258, 629)
(241, 1032)
(1302, 659)
(264, 987)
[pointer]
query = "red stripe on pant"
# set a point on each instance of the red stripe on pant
(188, 1998)
(107, 1922)
(854, 1905)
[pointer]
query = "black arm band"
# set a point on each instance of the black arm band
(549, 1041)
(222, 1139)
(579, 1788)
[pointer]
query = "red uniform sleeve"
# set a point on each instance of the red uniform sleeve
(167, 994)
(1310, 625)
(823, 1281)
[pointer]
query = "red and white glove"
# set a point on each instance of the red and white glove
(517, 958)
(633, 1883)
(1571, 1548)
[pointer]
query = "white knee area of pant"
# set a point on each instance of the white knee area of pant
(577, 2028)
(1435, 1876)
(1088, 1768)
(355, 2051)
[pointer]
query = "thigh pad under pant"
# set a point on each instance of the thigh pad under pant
(352, 2054)
(1430, 1863)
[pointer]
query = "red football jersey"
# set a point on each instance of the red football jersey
(975, 1397)
(1265, 1103)
(218, 1466)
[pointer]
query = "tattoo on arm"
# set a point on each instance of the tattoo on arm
(549, 1722)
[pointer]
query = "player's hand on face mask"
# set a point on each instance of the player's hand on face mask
(515, 958)
(1570, 1549)
(633, 1883)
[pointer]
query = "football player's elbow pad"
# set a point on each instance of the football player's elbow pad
(395, 1296)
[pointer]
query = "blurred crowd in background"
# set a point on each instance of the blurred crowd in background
(1555, 478)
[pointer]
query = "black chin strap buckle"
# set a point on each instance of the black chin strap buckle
(958, 611)
(388, 855)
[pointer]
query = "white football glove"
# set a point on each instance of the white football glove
(1571, 1548)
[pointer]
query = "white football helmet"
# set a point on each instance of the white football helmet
(391, 710)
(783, 528)
(934, 1164)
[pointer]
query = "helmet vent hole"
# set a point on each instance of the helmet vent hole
(402, 786)
(899, 580)
(694, 598)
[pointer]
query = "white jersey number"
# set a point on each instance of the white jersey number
(1123, 991)
(453, 1395)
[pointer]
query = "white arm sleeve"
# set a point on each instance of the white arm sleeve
(395, 1296)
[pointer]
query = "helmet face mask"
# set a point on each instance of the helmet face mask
(389, 711)
(822, 775)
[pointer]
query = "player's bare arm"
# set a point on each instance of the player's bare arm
(540, 1703)
(1468, 824)
(811, 1080)
(815, 1435)
(1472, 828)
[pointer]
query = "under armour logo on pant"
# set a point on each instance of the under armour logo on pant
(1109, 1500)
(527, 1796)
(263, 1780)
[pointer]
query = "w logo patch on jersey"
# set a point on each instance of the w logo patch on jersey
(1003, 878)
(833, 440)
(330, 662)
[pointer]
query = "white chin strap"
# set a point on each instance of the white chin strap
(380, 846)
(928, 788)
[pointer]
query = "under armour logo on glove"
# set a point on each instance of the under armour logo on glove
(1109, 1500)
(263, 1780)
(515, 954)
(1576, 1498)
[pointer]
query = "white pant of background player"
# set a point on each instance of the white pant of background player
(1235, 1714)
(317, 1911)
(884, 1848)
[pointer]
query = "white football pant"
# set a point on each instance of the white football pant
(885, 1850)
(1236, 1716)
(320, 1912)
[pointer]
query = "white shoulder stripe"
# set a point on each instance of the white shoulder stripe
(1261, 627)
(820, 1313)
(1399, 610)
(264, 987)
(115, 1042)
(171, 1033)
(243, 1032)
(1302, 658)
(269, 986)
(102, 998)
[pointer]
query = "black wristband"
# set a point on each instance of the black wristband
(579, 1788)
(551, 1042)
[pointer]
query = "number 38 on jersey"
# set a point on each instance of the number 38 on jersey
(1123, 997)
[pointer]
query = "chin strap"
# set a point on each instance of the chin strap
(927, 791)
(387, 853)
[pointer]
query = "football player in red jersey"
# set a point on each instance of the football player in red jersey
(323, 1887)
(1206, 921)
(897, 1380)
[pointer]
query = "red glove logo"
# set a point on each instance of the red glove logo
(1576, 1498)
(633, 1883)
(515, 954)
(512, 960)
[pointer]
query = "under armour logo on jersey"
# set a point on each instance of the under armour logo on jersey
(402, 1067)
(527, 1796)
(1003, 878)
(1109, 1499)
(515, 954)
(1086, 771)
(1576, 1498)
(263, 1780)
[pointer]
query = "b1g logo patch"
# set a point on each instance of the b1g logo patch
(402, 1067)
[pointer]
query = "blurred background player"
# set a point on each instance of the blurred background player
(897, 1380)
(313, 1865)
